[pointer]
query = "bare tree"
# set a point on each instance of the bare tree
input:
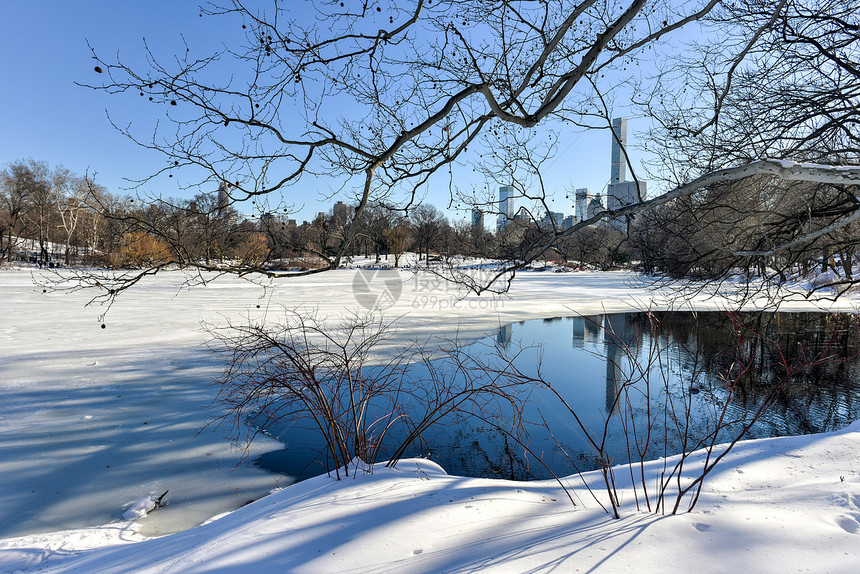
(788, 90)
(383, 100)
(70, 196)
(398, 239)
(428, 225)
(49, 206)
(30, 183)
(372, 223)
(13, 205)
(422, 82)
(339, 381)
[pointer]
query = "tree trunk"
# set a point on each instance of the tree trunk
(846, 265)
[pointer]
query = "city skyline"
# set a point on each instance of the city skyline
(619, 191)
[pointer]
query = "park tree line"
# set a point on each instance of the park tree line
(720, 234)
(45, 215)
(53, 216)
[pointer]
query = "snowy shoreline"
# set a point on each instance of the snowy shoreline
(789, 504)
(145, 375)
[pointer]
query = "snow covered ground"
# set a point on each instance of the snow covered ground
(93, 420)
(777, 505)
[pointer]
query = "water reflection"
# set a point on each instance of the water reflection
(625, 373)
(620, 339)
(503, 338)
(688, 362)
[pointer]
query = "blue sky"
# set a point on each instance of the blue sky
(44, 52)
(43, 47)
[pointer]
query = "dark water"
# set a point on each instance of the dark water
(642, 386)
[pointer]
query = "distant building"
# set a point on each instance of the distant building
(625, 193)
(568, 222)
(583, 198)
(595, 206)
(506, 206)
(477, 219)
(268, 221)
(552, 218)
(503, 337)
(619, 144)
(223, 200)
(620, 192)
(223, 205)
(339, 214)
(522, 214)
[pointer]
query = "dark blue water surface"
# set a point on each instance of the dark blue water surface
(642, 386)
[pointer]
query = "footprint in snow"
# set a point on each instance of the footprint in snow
(848, 523)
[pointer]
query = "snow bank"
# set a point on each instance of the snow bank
(776, 505)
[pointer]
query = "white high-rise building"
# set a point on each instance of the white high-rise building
(625, 193)
(619, 141)
(621, 192)
(595, 206)
(223, 199)
(583, 198)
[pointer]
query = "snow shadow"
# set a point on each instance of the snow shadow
(85, 434)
